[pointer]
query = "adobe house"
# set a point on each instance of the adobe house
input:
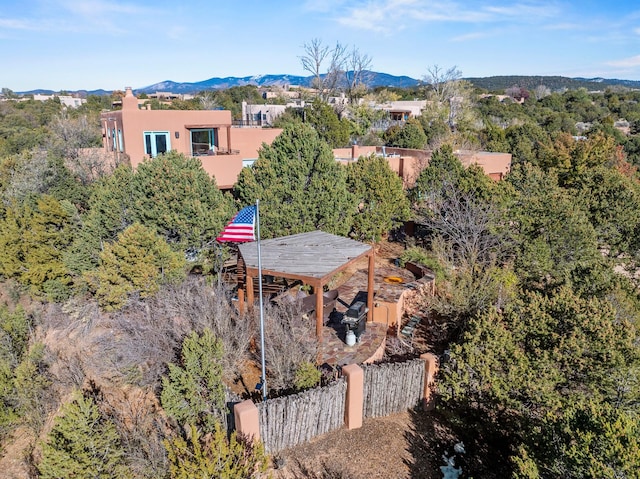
(204, 134)
(408, 163)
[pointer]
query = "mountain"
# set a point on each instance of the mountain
(554, 83)
(375, 79)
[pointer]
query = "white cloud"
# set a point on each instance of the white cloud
(630, 62)
(524, 10)
(17, 24)
(389, 15)
(471, 36)
(564, 26)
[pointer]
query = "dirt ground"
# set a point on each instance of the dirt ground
(401, 446)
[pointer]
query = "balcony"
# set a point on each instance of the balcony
(204, 149)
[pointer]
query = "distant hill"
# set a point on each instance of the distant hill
(377, 79)
(554, 83)
(374, 79)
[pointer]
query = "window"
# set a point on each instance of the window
(120, 142)
(204, 141)
(156, 143)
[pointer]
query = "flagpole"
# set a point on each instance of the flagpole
(264, 377)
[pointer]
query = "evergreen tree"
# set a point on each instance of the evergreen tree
(11, 251)
(299, 184)
(111, 211)
(33, 243)
(175, 196)
(14, 336)
(138, 262)
(546, 375)
(48, 233)
(409, 135)
(325, 121)
(381, 198)
(215, 456)
(193, 393)
(82, 445)
(555, 241)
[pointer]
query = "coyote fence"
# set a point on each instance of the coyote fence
(392, 387)
(296, 419)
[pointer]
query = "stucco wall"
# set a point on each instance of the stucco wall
(243, 142)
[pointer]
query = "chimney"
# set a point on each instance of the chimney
(129, 102)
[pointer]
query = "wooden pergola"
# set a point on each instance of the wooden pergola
(313, 258)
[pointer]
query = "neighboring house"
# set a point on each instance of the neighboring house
(623, 125)
(402, 110)
(204, 134)
(168, 96)
(495, 165)
(254, 115)
(408, 163)
(65, 100)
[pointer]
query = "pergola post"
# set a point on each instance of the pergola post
(317, 288)
(370, 286)
(249, 283)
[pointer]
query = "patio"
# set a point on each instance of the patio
(316, 259)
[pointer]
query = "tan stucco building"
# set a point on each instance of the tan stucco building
(204, 134)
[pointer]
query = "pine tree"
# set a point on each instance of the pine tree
(193, 393)
(300, 186)
(82, 445)
(138, 262)
(175, 196)
(215, 456)
(382, 201)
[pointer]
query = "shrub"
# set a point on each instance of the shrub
(422, 256)
(307, 376)
(82, 444)
(215, 456)
(193, 392)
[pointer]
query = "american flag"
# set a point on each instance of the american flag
(242, 226)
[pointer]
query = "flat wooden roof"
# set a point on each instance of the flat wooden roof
(314, 255)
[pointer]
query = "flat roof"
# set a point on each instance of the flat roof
(315, 254)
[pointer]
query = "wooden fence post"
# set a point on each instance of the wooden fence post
(354, 397)
(247, 420)
(430, 370)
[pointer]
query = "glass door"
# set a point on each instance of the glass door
(156, 143)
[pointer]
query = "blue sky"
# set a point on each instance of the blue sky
(110, 44)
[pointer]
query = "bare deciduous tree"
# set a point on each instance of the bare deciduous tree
(442, 82)
(541, 91)
(466, 225)
(30, 173)
(357, 74)
(290, 341)
(315, 58)
(77, 142)
(207, 100)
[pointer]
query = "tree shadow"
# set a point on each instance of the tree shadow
(296, 470)
(439, 434)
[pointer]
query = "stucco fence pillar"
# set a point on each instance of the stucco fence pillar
(430, 371)
(354, 403)
(247, 420)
